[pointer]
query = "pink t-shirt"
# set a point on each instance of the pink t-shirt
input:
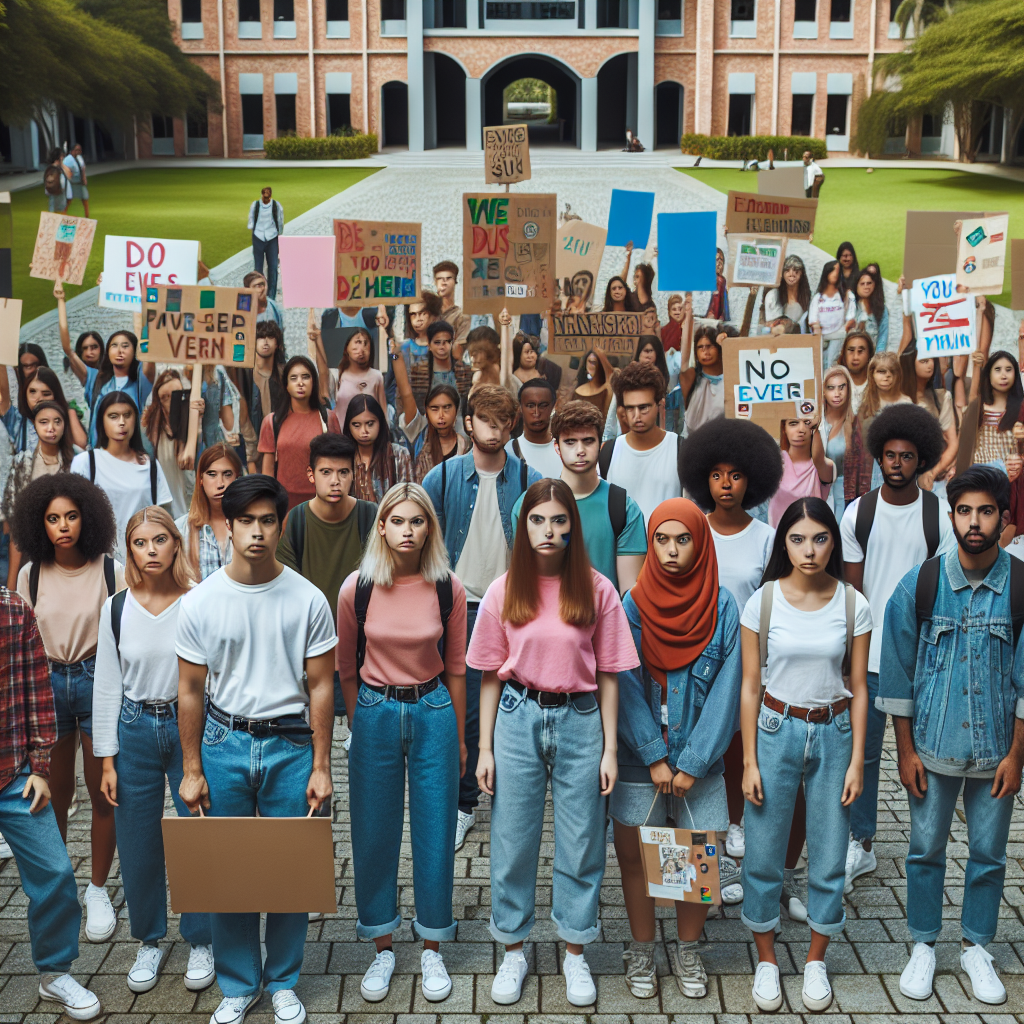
(799, 480)
(403, 627)
(547, 653)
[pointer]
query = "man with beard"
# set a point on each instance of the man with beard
(885, 533)
(953, 680)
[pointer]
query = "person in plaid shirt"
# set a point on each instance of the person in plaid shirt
(28, 729)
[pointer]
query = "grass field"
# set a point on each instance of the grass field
(208, 203)
(869, 209)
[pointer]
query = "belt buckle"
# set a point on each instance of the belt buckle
(547, 699)
(819, 714)
(407, 694)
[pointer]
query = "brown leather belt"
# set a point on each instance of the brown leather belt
(825, 714)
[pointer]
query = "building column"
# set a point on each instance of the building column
(414, 73)
(645, 77)
(589, 15)
(474, 121)
(472, 16)
(588, 118)
(704, 70)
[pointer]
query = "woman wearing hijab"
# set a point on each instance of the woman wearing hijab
(677, 714)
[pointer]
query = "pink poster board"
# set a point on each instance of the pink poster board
(307, 270)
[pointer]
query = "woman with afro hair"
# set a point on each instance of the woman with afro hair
(64, 526)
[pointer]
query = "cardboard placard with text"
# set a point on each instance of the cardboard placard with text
(766, 376)
(199, 324)
(62, 247)
(508, 251)
(981, 254)
(680, 865)
(929, 246)
(1017, 273)
(756, 260)
(506, 154)
(577, 263)
(10, 331)
(132, 263)
(376, 261)
(944, 318)
(782, 181)
(749, 213)
(615, 334)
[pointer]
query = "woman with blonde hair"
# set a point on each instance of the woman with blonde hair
(204, 529)
(836, 428)
(406, 702)
(135, 732)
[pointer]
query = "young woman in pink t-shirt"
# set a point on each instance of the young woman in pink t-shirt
(550, 638)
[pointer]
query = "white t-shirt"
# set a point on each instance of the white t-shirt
(857, 396)
(541, 457)
(485, 554)
(742, 558)
(895, 545)
(773, 308)
(806, 649)
(255, 640)
(649, 477)
(811, 171)
(827, 310)
(127, 485)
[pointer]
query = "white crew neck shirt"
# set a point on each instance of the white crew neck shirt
(649, 477)
(742, 558)
(541, 457)
(485, 554)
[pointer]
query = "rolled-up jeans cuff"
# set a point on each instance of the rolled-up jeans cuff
(758, 927)
(918, 936)
(579, 937)
(827, 929)
(976, 937)
(511, 938)
(435, 934)
(376, 931)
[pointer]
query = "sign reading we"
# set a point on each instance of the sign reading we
(376, 260)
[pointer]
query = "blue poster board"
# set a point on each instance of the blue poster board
(686, 251)
(629, 219)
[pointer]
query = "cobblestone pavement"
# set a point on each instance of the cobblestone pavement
(864, 963)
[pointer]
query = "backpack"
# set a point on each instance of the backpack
(116, 613)
(54, 180)
(152, 474)
(108, 577)
(295, 527)
(768, 595)
(866, 517)
(604, 460)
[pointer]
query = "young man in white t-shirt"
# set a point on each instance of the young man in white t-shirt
(906, 441)
(265, 637)
(535, 445)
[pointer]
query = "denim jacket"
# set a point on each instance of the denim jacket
(703, 704)
(461, 485)
(960, 680)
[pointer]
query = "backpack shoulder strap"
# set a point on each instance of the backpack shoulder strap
(152, 479)
(516, 448)
(524, 476)
(604, 458)
(108, 575)
(33, 583)
(295, 527)
(679, 462)
(926, 590)
(445, 603)
(362, 602)
(617, 509)
(116, 614)
(930, 517)
(444, 487)
(92, 465)
(1016, 597)
(767, 596)
(851, 617)
(865, 519)
(366, 516)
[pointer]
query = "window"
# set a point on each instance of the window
(197, 131)
(163, 135)
(805, 10)
(535, 10)
(931, 125)
(449, 13)
(835, 115)
(740, 107)
(285, 110)
(339, 112)
(284, 10)
(249, 26)
(803, 115)
(337, 10)
(841, 26)
(392, 10)
(894, 29)
(252, 115)
(612, 14)
(191, 11)
(669, 18)
(742, 19)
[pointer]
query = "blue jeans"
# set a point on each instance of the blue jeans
(988, 828)
(72, 695)
(818, 753)
(531, 745)
(54, 914)
(150, 752)
(387, 734)
(864, 810)
(469, 791)
(245, 772)
(261, 249)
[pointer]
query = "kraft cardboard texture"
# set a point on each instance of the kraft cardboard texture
(578, 262)
(615, 334)
(783, 181)
(62, 247)
(1017, 273)
(753, 214)
(199, 324)
(506, 154)
(681, 865)
(981, 254)
(929, 247)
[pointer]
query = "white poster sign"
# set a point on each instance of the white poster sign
(131, 263)
(767, 376)
(943, 316)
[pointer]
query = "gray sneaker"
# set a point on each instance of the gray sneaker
(794, 893)
(688, 968)
(641, 976)
(729, 876)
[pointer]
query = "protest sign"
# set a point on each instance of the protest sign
(506, 154)
(944, 317)
(629, 218)
(307, 270)
(6, 245)
(578, 262)
(687, 244)
(615, 334)
(62, 247)
(782, 181)
(680, 865)
(753, 214)
(10, 328)
(929, 246)
(130, 264)
(981, 254)
(1017, 273)
(508, 252)
(757, 261)
(199, 324)
(765, 377)
(375, 261)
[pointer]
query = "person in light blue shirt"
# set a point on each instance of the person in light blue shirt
(76, 170)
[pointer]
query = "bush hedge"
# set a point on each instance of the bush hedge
(751, 147)
(332, 147)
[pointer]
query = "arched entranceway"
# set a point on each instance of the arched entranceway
(445, 101)
(394, 105)
(668, 114)
(616, 100)
(565, 91)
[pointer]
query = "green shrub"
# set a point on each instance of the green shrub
(751, 147)
(333, 147)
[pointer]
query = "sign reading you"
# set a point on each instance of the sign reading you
(506, 154)
(944, 317)
(615, 334)
(375, 261)
(198, 324)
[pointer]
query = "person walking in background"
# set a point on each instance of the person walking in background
(814, 176)
(76, 177)
(266, 222)
(56, 182)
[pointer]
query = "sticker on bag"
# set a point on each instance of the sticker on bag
(674, 859)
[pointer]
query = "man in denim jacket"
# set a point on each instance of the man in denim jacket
(954, 684)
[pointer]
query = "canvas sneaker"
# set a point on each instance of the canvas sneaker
(916, 979)
(232, 1009)
(687, 966)
(377, 980)
(200, 971)
(729, 876)
(579, 985)
(507, 986)
(736, 842)
(858, 862)
(436, 984)
(462, 826)
(5, 849)
(641, 974)
(100, 919)
(143, 975)
(78, 1002)
(985, 983)
(794, 893)
(767, 990)
(817, 993)
(288, 1008)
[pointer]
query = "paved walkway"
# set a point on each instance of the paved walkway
(864, 963)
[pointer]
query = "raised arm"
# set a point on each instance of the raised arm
(748, 312)
(625, 266)
(405, 395)
(78, 368)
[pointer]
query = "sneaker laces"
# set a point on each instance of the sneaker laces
(432, 965)
(982, 961)
(853, 851)
(920, 962)
(765, 972)
(576, 969)
(814, 971)
(66, 986)
(147, 956)
(284, 998)
(200, 957)
(509, 969)
(382, 964)
(97, 894)
(235, 1003)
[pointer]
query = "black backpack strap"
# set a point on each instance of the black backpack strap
(444, 487)
(865, 520)
(524, 476)
(516, 448)
(927, 589)
(33, 583)
(617, 508)
(116, 614)
(295, 528)
(152, 479)
(1016, 597)
(92, 465)
(366, 518)
(445, 603)
(362, 602)
(604, 458)
(930, 517)
(108, 575)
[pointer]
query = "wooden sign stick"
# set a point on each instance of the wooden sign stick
(193, 414)
(506, 347)
(310, 337)
(383, 355)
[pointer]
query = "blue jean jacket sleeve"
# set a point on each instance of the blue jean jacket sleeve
(899, 651)
(639, 731)
(1017, 675)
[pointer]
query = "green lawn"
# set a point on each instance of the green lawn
(208, 203)
(869, 209)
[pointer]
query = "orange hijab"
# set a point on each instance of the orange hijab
(678, 614)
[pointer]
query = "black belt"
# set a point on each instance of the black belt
(545, 698)
(407, 694)
(289, 725)
(154, 707)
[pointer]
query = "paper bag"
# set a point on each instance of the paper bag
(680, 865)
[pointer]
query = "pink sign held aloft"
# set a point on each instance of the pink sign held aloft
(307, 270)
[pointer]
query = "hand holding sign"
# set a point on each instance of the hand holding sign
(944, 318)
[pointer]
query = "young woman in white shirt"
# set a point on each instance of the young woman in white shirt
(792, 298)
(827, 314)
(865, 307)
(135, 731)
(808, 728)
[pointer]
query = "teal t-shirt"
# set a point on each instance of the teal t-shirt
(598, 534)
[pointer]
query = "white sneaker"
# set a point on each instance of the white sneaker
(916, 979)
(346, 743)
(436, 984)
(200, 971)
(736, 842)
(315, 915)
(729, 876)
(143, 975)
(507, 986)
(232, 1009)
(78, 1002)
(579, 985)
(5, 849)
(462, 826)
(100, 919)
(858, 862)
(985, 983)
(767, 991)
(377, 980)
(817, 993)
(288, 1008)
(794, 893)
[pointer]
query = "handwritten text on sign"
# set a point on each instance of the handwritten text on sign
(131, 264)
(197, 324)
(506, 153)
(612, 333)
(375, 261)
(944, 317)
(773, 377)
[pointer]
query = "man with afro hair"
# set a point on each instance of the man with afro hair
(886, 533)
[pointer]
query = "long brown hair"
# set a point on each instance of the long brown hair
(154, 422)
(199, 512)
(576, 590)
(871, 404)
(346, 359)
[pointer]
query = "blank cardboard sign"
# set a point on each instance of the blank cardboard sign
(783, 181)
(929, 247)
(10, 329)
(250, 865)
(1017, 273)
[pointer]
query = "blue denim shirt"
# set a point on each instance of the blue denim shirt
(961, 680)
(461, 485)
(703, 704)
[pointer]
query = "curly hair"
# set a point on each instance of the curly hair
(748, 447)
(639, 378)
(911, 423)
(28, 529)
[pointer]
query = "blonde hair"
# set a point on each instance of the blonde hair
(181, 569)
(871, 404)
(838, 371)
(378, 562)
